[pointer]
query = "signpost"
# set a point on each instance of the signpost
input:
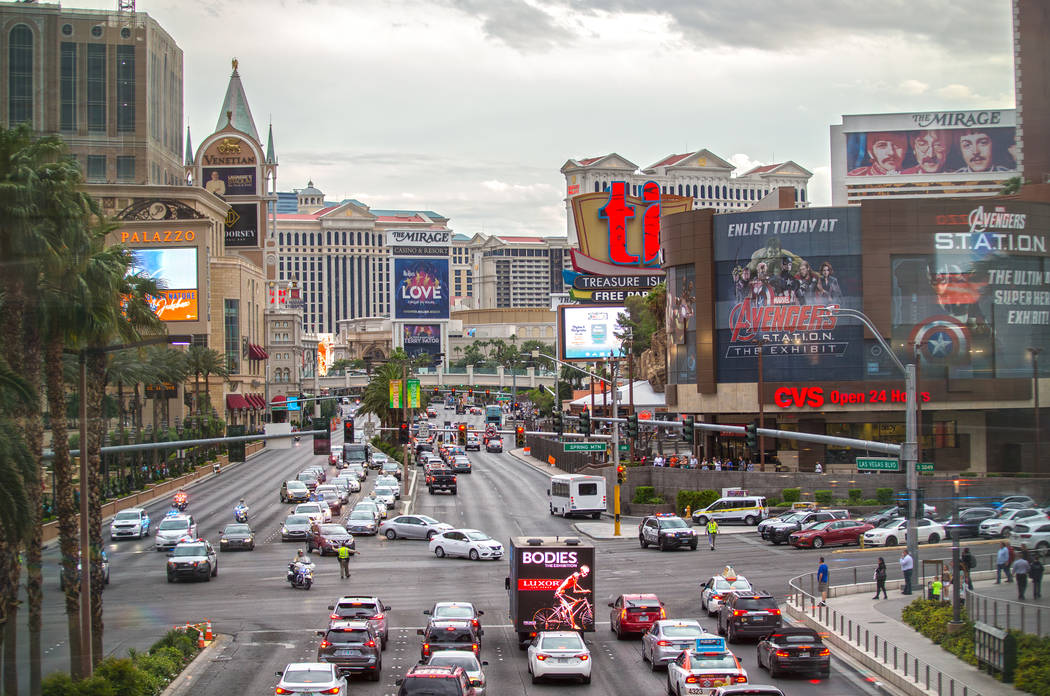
(924, 466)
(584, 447)
(879, 464)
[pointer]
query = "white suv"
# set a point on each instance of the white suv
(131, 522)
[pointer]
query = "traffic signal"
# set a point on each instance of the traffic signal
(688, 427)
(519, 436)
(348, 430)
(585, 422)
(453, 391)
(470, 392)
(486, 392)
(621, 474)
(751, 431)
(632, 425)
(403, 433)
(462, 434)
(559, 422)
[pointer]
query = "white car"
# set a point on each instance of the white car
(389, 482)
(385, 495)
(714, 590)
(704, 668)
(349, 483)
(377, 509)
(896, 532)
(311, 678)
(130, 522)
(469, 543)
(559, 654)
(172, 530)
(1002, 524)
(465, 659)
(1034, 535)
(312, 510)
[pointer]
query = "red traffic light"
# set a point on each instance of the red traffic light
(519, 430)
(462, 427)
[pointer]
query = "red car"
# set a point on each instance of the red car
(635, 613)
(829, 533)
(327, 538)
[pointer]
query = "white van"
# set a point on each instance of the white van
(750, 509)
(576, 494)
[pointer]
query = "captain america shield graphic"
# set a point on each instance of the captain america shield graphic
(942, 339)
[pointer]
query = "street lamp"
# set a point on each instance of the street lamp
(956, 612)
(1035, 400)
(86, 663)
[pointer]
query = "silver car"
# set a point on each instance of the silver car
(356, 470)
(373, 505)
(412, 527)
(172, 530)
(389, 482)
(385, 495)
(296, 528)
(370, 609)
(465, 659)
(361, 522)
(667, 638)
(348, 483)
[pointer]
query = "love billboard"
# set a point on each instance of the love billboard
(421, 288)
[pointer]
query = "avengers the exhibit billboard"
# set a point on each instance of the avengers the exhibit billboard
(421, 288)
(778, 275)
(979, 300)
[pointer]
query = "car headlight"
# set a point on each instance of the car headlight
(171, 564)
(284, 530)
(223, 540)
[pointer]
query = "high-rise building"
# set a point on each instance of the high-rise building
(520, 272)
(701, 175)
(1031, 75)
(108, 82)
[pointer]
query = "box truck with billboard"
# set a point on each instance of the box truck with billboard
(551, 585)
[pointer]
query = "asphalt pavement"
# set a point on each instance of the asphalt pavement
(268, 624)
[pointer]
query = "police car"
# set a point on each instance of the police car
(703, 668)
(666, 531)
(714, 589)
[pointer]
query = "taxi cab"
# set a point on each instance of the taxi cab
(703, 668)
(714, 590)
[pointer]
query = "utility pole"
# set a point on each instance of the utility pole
(630, 391)
(404, 418)
(1035, 400)
(615, 448)
(761, 406)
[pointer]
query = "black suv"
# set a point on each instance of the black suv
(666, 531)
(969, 524)
(780, 532)
(748, 614)
(352, 646)
(441, 480)
(420, 681)
(449, 634)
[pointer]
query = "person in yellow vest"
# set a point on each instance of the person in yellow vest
(935, 589)
(712, 532)
(344, 560)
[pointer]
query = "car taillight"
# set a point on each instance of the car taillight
(370, 644)
(663, 643)
(377, 617)
(739, 612)
(333, 690)
(583, 657)
(426, 648)
(475, 622)
(740, 679)
(824, 652)
(333, 616)
(782, 653)
(325, 644)
(475, 647)
(623, 614)
(541, 657)
(279, 690)
(774, 612)
(718, 597)
(692, 679)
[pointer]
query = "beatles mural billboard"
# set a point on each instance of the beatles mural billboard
(779, 276)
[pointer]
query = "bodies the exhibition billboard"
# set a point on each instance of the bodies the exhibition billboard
(777, 275)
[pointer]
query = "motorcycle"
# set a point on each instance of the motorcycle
(240, 514)
(181, 501)
(301, 575)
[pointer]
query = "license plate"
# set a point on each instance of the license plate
(803, 654)
(345, 653)
(566, 659)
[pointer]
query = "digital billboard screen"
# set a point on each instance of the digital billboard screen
(931, 151)
(175, 270)
(538, 572)
(242, 225)
(422, 339)
(421, 288)
(229, 181)
(589, 332)
(681, 323)
(777, 275)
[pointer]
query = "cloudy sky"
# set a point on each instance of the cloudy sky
(470, 107)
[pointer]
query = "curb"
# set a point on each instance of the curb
(186, 678)
(938, 545)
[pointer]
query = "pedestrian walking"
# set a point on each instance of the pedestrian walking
(1002, 562)
(1035, 576)
(968, 563)
(822, 581)
(907, 567)
(712, 532)
(818, 468)
(880, 579)
(1020, 569)
(344, 561)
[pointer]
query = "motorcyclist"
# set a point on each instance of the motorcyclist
(241, 510)
(180, 499)
(300, 563)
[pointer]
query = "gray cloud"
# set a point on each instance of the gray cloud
(518, 24)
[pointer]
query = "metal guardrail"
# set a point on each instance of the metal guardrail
(863, 638)
(1008, 614)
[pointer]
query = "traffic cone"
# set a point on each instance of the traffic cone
(207, 630)
(200, 639)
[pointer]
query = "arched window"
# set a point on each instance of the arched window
(597, 187)
(280, 238)
(802, 195)
(725, 192)
(679, 189)
(296, 239)
(329, 238)
(20, 75)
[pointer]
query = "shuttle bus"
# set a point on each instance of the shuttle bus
(577, 494)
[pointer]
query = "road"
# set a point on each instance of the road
(272, 625)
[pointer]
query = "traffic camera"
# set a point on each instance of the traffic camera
(585, 422)
(621, 474)
(462, 434)
(402, 433)
(519, 436)
(688, 428)
(751, 432)
(632, 425)
(348, 430)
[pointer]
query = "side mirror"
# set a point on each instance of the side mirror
(612, 604)
(426, 612)
(278, 674)
(320, 633)
(399, 682)
(484, 663)
(419, 631)
(331, 607)
(481, 613)
(386, 607)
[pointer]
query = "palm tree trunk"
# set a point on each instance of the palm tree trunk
(65, 507)
(9, 571)
(96, 428)
(13, 345)
(34, 429)
(122, 414)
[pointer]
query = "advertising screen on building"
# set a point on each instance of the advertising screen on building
(423, 339)
(681, 323)
(590, 332)
(931, 151)
(777, 273)
(421, 288)
(980, 298)
(229, 181)
(539, 572)
(242, 225)
(176, 271)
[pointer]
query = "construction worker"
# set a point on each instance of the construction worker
(344, 560)
(712, 532)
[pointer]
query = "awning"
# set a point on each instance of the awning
(279, 403)
(260, 402)
(252, 403)
(256, 352)
(236, 402)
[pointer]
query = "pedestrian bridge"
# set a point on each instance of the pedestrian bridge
(468, 377)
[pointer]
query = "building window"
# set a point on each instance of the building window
(96, 168)
(20, 75)
(125, 89)
(125, 168)
(96, 88)
(232, 323)
(68, 115)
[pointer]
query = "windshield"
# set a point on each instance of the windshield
(125, 515)
(467, 662)
(336, 529)
(454, 613)
(820, 525)
(361, 515)
(363, 505)
(891, 524)
(296, 485)
(428, 520)
(706, 662)
(561, 643)
(674, 524)
(297, 519)
(307, 676)
(174, 524)
(237, 529)
(384, 491)
(305, 509)
(790, 517)
(682, 631)
(189, 550)
(478, 536)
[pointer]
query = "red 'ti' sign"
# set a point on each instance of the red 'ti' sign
(617, 212)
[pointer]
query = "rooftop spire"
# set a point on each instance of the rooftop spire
(271, 157)
(189, 148)
(236, 105)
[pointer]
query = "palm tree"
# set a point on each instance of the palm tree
(214, 363)
(195, 363)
